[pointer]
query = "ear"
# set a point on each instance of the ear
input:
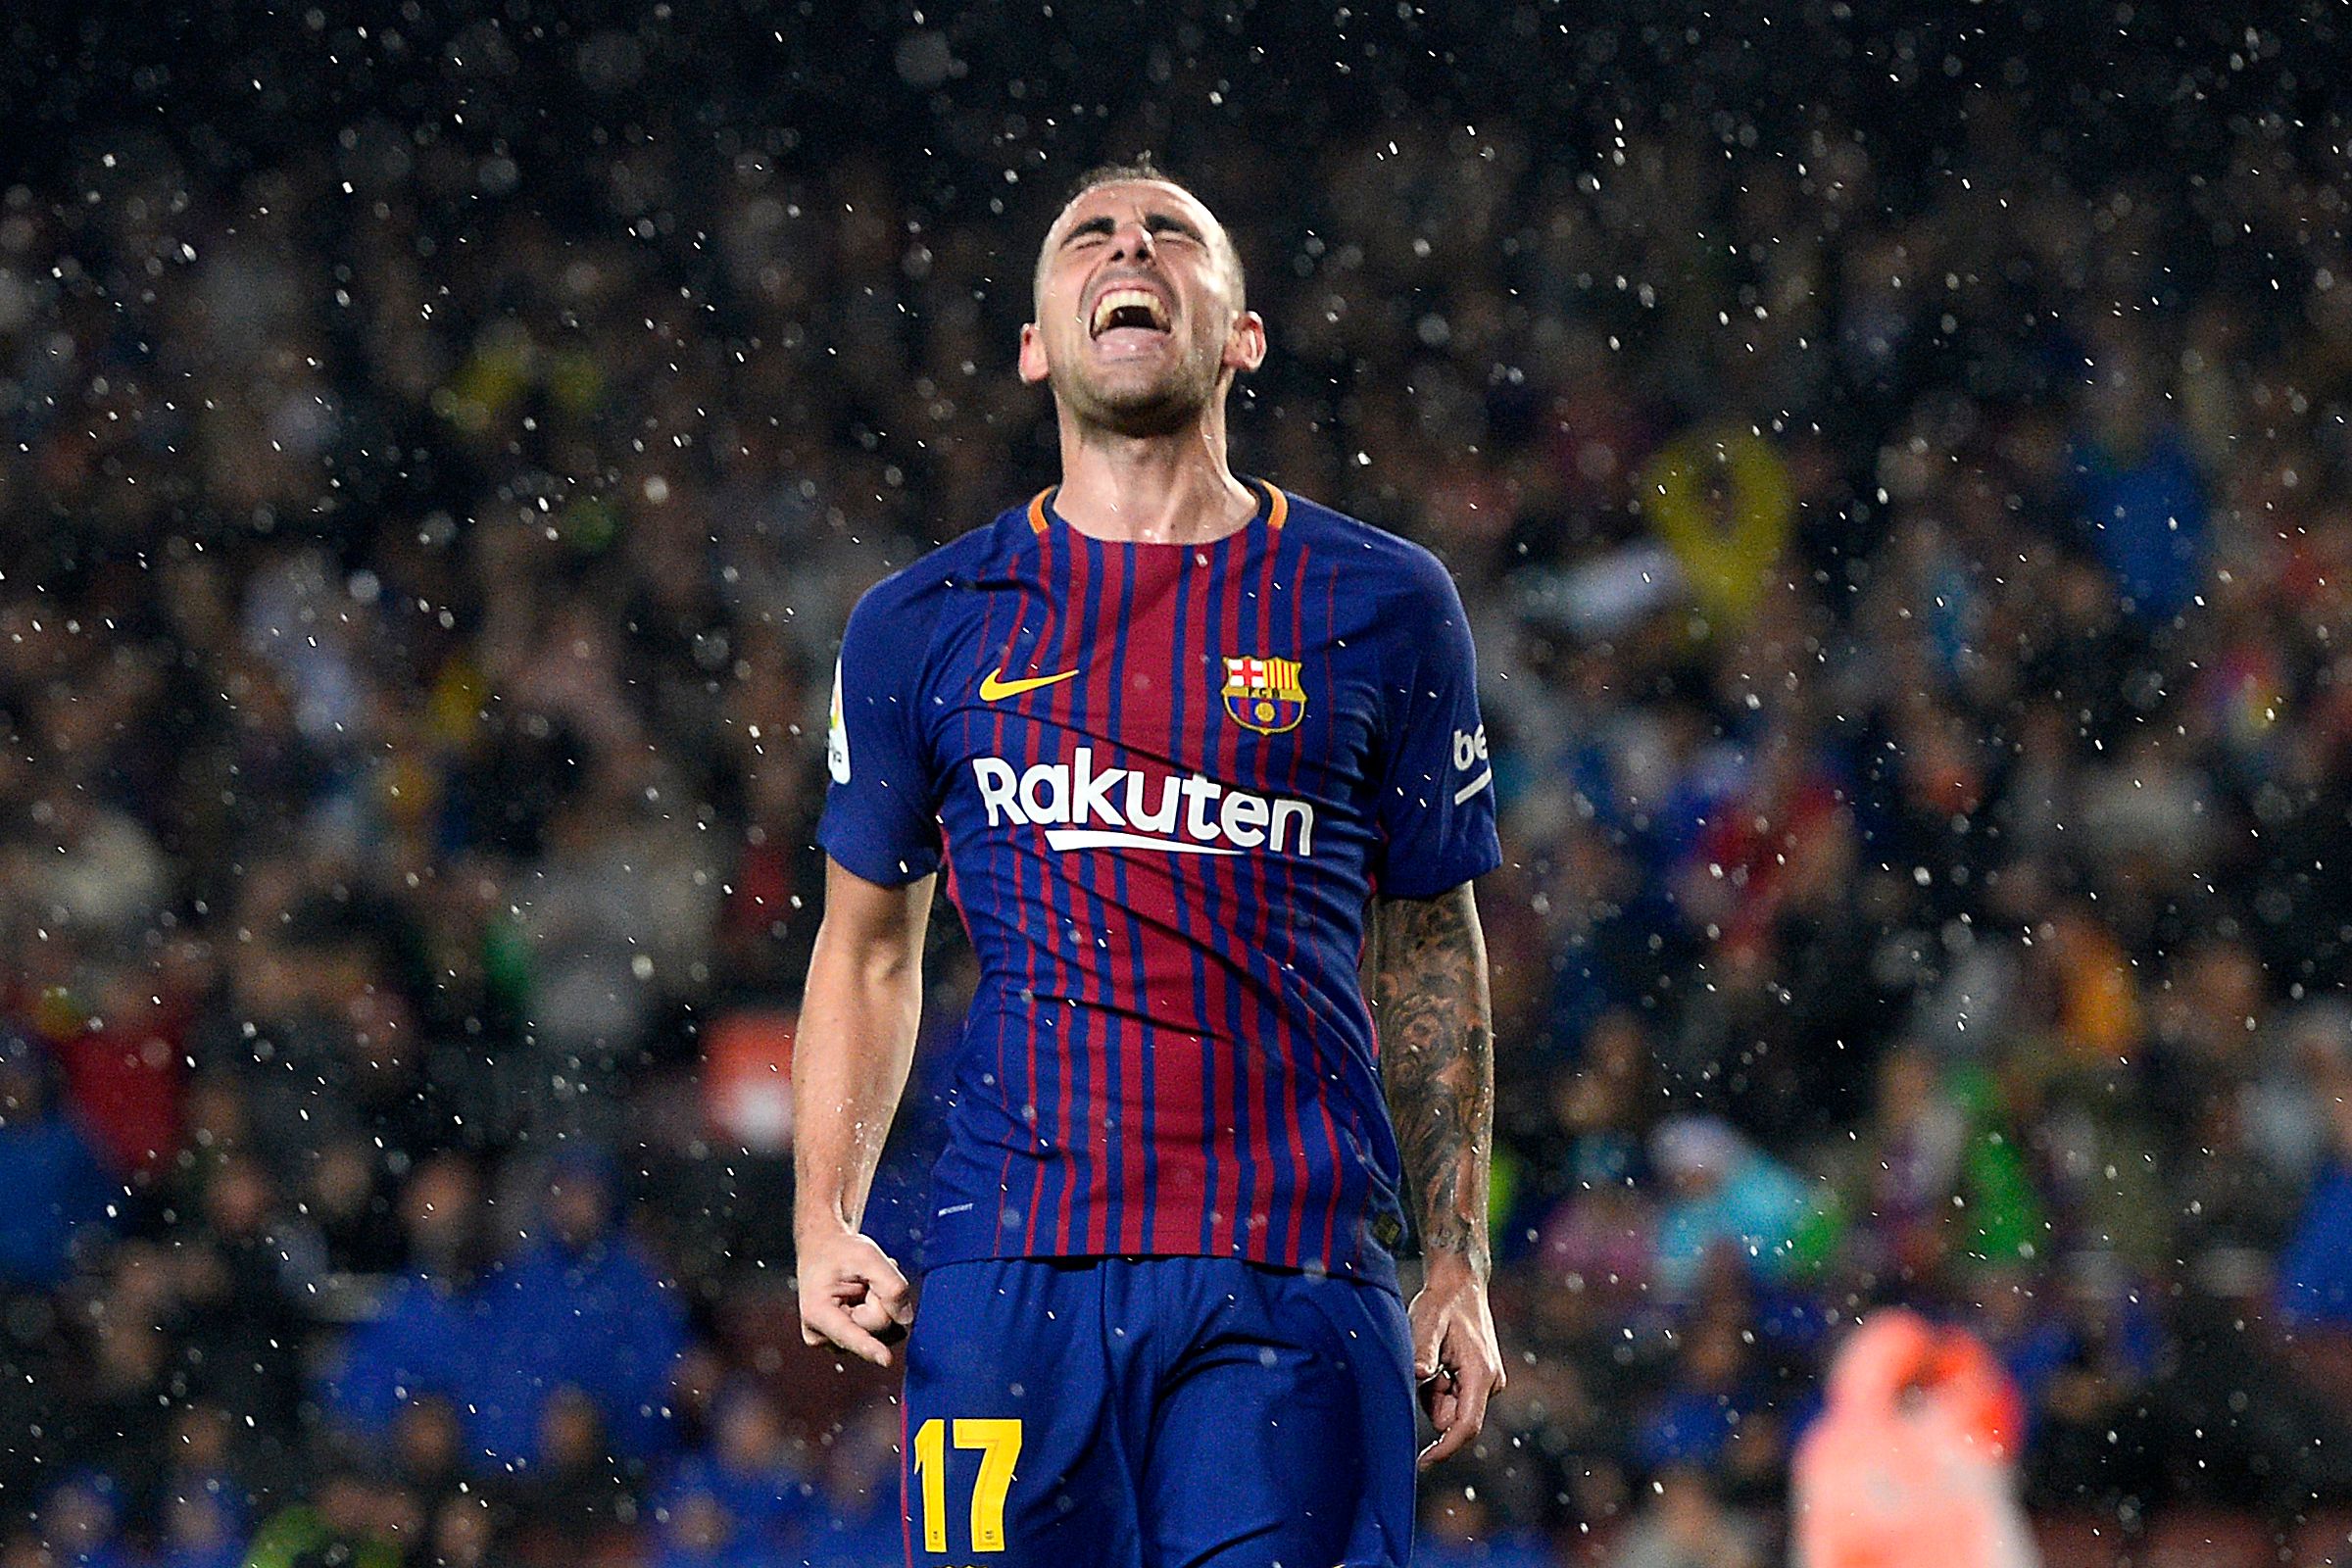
(1246, 344)
(1033, 354)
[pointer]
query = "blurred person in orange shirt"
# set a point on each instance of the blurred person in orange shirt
(1914, 1460)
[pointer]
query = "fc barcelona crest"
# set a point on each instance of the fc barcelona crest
(1265, 694)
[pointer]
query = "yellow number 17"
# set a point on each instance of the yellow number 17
(999, 1440)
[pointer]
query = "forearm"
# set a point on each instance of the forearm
(1436, 1042)
(850, 1062)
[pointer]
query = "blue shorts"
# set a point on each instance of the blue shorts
(1161, 1412)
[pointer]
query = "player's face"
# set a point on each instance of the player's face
(1139, 310)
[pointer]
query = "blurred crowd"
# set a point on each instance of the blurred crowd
(1914, 610)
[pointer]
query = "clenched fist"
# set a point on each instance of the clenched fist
(853, 1295)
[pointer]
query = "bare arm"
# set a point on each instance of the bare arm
(1437, 1037)
(849, 1064)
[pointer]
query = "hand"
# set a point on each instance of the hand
(853, 1295)
(1457, 1365)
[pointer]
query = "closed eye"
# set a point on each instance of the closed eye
(1162, 223)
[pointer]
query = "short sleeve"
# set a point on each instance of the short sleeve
(880, 819)
(1436, 788)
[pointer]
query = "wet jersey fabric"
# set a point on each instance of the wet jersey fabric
(1125, 1412)
(1164, 779)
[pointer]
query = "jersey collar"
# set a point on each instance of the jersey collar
(1273, 510)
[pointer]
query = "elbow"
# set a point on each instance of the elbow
(864, 958)
(894, 970)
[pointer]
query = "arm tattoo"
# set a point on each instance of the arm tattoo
(1436, 1043)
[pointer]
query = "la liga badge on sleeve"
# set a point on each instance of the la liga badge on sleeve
(1265, 694)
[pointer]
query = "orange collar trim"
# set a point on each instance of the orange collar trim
(1278, 507)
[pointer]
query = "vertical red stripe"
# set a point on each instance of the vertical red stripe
(1144, 708)
(1126, 1226)
(1148, 709)
(1185, 756)
(906, 1485)
(1108, 1079)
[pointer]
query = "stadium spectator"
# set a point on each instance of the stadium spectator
(414, 1344)
(1724, 1195)
(201, 1527)
(1914, 1459)
(693, 1528)
(356, 1519)
(752, 1471)
(577, 1311)
(59, 1192)
(570, 1502)
(856, 1516)
(1686, 1526)
(83, 1522)
(1461, 1532)
(2315, 1272)
(2142, 501)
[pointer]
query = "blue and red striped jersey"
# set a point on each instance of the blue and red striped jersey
(1165, 780)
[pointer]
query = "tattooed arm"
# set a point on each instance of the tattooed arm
(1438, 1063)
(1437, 1040)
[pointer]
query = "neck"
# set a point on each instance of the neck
(1158, 489)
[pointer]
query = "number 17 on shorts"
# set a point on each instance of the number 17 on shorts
(998, 1441)
(1116, 1413)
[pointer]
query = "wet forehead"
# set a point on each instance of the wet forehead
(1136, 198)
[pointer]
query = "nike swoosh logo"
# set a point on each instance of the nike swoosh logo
(994, 686)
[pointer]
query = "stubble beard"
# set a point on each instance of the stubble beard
(1172, 404)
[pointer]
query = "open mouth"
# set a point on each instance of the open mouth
(1124, 309)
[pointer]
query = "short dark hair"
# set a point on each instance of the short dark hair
(1139, 166)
